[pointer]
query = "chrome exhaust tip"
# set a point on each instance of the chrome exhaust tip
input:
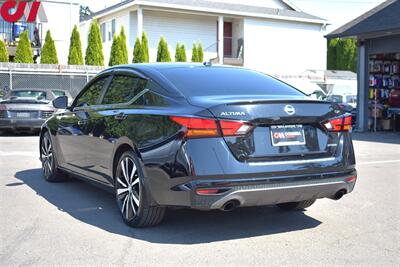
(230, 205)
(339, 194)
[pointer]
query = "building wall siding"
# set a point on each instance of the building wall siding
(277, 47)
(60, 25)
(182, 28)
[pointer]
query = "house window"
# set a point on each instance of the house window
(113, 28)
(103, 31)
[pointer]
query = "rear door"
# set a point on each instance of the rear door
(106, 122)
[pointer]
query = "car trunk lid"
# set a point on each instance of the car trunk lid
(290, 128)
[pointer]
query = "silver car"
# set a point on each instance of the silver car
(25, 110)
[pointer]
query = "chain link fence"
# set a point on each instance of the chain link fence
(39, 76)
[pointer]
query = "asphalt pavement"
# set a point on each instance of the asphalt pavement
(73, 223)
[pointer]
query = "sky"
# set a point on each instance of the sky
(337, 12)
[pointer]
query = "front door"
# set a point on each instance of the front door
(72, 135)
(228, 39)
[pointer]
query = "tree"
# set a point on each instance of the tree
(195, 54)
(114, 53)
(94, 51)
(163, 54)
(24, 54)
(123, 47)
(3, 52)
(200, 53)
(331, 57)
(145, 48)
(138, 56)
(342, 54)
(180, 53)
(75, 56)
(49, 52)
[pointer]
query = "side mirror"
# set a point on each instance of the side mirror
(61, 102)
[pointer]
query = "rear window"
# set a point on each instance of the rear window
(209, 81)
(28, 93)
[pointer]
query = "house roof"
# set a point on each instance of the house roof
(219, 8)
(383, 18)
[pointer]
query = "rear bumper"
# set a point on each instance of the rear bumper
(21, 124)
(268, 191)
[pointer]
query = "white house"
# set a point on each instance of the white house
(61, 15)
(272, 36)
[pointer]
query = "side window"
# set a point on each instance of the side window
(151, 99)
(122, 89)
(92, 94)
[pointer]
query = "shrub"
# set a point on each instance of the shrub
(163, 54)
(145, 48)
(200, 53)
(194, 53)
(24, 53)
(49, 52)
(123, 47)
(138, 56)
(75, 56)
(180, 53)
(3, 52)
(94, 51)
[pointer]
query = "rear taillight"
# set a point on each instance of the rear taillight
(232, 128)
(340, 124)
(198, 128)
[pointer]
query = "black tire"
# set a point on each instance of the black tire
(51, 173)
(130, 194)
(296, 205)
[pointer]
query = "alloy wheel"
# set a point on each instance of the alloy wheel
(128, 188)
(46, 151)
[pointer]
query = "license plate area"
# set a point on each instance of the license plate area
(23, 115)
(287, 135)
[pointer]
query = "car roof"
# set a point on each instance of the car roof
(152, 70)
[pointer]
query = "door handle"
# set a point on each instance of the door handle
(120, 117)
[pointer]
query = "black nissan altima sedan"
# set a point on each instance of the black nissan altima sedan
(199, 136)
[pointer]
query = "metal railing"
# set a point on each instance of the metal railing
(41, 76)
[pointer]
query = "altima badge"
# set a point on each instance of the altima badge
(290, 110)
(233, 113)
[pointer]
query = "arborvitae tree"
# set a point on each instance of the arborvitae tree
(94, 51)
(114, 53)
(24, 54)
(49, 52)
(180, 53)
(138, 56)
(200, 53)
(75, 56)
(195, 54)
(3, 52)
(123, 47)
(163, 54)
(145, 48)
(183, 52)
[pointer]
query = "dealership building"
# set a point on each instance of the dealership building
(378, 35)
